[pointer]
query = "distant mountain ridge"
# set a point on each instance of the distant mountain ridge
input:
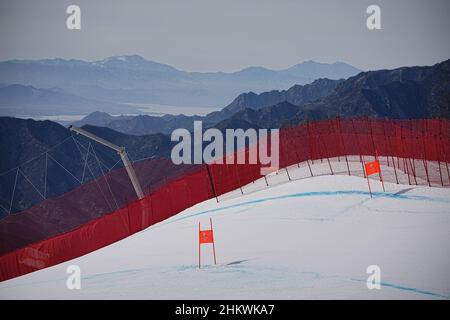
(403, 93)
(297, 95)
(134, 79)
(19, 100)
(145, 124)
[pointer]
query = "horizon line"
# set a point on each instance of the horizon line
(181, 69)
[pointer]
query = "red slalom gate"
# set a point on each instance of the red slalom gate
(372, 168)
(425, 139)
(205, 237)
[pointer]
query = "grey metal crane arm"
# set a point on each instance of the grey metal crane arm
(123, 155)
(95, 138)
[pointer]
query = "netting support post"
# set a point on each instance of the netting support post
(329, 164)
(448, 173)
(213, 242)
(440, 173)
(265, 179)
(199, 248)
(405, 163)
(310, 170)
(413, 168)
(426, 170)
(211, 181)
(395, 170)
(343, 145)
(287, 172)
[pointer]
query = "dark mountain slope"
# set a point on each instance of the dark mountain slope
(297, 95)
(148, 125)
(138, 147)
(269, 117)
(413, 92)
(25, 142)
(144, 124)
(99, 119)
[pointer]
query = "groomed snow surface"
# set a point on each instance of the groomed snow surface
(311, 238)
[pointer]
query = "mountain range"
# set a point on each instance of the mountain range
(144, 124)
(408, 92)
(402, 93)
(133, 79)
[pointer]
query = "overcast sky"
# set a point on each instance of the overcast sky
(228, 35)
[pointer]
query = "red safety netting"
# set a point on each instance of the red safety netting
(411, 146)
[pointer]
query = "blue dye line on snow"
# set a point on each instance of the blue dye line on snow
(415, 290)
(397, 196)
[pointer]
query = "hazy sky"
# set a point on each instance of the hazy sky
(228, 35)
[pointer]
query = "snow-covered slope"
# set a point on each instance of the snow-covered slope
(305, 239)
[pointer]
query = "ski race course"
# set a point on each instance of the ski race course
(309, 238)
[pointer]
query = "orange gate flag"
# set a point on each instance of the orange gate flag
(372, 167)
(205, 236)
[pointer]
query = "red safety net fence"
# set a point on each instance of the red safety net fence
(418, 149)
(89, 201)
